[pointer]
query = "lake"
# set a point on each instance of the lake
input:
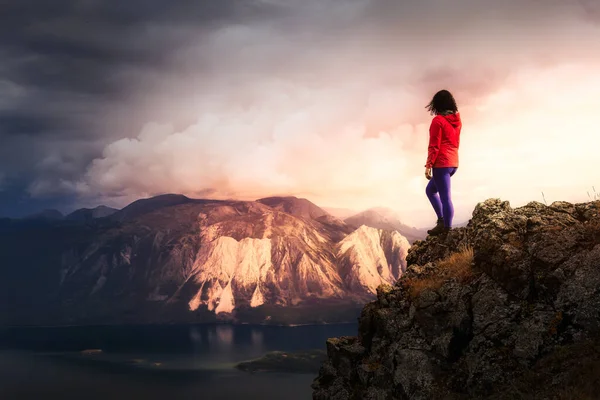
(154, 362)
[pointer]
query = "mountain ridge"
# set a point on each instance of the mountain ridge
(299, 207)
(175, 259)
(385, 218)
(45, 215)
(87, 214)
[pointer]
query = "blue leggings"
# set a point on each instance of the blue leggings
(442, 204)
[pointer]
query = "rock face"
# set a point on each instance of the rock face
(521, 292)
(175, 259)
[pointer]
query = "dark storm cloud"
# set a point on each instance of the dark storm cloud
(77, 45)
(22, 122)
(69, 68)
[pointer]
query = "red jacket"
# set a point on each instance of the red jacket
(444, 138)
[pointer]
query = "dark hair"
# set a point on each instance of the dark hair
(442, 101)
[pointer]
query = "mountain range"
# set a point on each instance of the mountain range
(174, 259)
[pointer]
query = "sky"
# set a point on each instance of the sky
(106, 102)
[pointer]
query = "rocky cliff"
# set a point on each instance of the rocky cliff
(175, 259)
(506, 307)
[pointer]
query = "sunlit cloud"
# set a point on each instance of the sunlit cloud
(537, 133)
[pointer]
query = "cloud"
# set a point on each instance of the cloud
(591, 10)
(323, 99)
(515, 145)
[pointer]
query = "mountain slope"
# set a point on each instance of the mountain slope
(87, 214)
(384, 218)
(143, 206)
(46, 215)
(364, 261)
(341, 213)
(171, 259)
(294, 206)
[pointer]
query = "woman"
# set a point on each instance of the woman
(442, 159)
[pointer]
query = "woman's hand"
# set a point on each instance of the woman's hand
(428, 173)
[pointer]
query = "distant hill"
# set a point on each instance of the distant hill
(387, 219)
(144, 206)
(47, 215)
(460, 224)
(86, 214)
(341, 213)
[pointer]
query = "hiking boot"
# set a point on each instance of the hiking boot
(438, 227)
(439, 230)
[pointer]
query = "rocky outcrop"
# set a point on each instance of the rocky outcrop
(501, 307)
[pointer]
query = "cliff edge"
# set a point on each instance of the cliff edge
(506, 307)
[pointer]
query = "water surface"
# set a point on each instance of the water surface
(154, 362)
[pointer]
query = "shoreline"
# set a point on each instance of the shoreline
(174, 324)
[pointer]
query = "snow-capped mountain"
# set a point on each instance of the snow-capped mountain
(175, 259)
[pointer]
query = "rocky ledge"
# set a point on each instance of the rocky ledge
(506, 307)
